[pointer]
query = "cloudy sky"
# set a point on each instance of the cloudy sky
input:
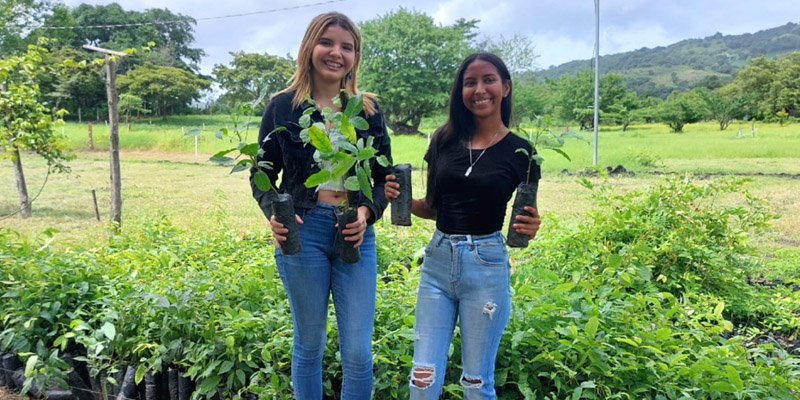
(561, 30)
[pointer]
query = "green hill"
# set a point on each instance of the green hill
(710, 61)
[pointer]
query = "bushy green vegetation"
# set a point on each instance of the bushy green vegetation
(640, 301)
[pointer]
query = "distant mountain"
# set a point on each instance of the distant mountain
(710, 62)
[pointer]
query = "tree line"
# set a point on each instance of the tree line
(408, 61)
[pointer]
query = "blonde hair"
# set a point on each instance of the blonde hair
(302, 83)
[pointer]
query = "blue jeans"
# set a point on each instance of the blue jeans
(464, 278)
(309, 277)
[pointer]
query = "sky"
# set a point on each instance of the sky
(560, 30)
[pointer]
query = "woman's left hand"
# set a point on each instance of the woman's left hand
(354, 231)
(528, 225)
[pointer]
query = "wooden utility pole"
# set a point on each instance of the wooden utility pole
(113, 140)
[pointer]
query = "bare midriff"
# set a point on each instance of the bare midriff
(331, 197)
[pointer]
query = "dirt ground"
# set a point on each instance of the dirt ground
(6, 394)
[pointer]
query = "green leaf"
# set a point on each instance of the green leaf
(363, 182)
(222, 153)
(366, 153)
(140, 371)
(719, 308)
(360, 123)
(734, 378)
(627, 341)
(109, 330)
(351, 183)
(250, 150)
(591, 327)
(262, 181)
(348, 147)
(382, 161)
(209, 384)
(343, 167)
(30, 365)
(588, 384)
(614, 261)
(318, 178)
(354, 105)
(348, 130)
(265, 354)
(275, 381)
(305, 121)
(319, 139)
(242, 165)
(240, 377)
(576, 394)
(563, 154)
(225, 367)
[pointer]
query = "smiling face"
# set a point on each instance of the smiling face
(333, 56)
(483, 89)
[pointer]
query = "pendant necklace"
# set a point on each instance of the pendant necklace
(472, 163)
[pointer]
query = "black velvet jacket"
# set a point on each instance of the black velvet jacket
(288, 154)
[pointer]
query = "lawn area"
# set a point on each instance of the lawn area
(162, 176)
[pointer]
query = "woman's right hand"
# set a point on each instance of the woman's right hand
(279, 231)
(392, 188)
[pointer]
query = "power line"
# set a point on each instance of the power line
(178, 21)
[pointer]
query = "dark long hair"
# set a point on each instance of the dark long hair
(460, 125)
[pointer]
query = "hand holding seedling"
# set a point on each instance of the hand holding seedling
(354, 231)
(392, 189)
(528, 225)
(279, 231)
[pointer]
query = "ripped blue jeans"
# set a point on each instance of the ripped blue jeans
(465, 279)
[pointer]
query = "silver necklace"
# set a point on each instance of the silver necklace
(472, 163)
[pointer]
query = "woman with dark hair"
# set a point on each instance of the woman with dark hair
(474, 168)
(327, 68)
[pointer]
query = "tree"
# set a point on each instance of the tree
(27, 124)
(165, 90)
(137, 29)
(250, 75)
(773, 85)
(410, 62)
(575, 97)
(530, 99)
(83, 90)
(722, 105)
(17, 16)
(129, 103)
(61, 16)
(680, 109)
(518, 52)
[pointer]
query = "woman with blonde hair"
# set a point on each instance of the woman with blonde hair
(327, 68)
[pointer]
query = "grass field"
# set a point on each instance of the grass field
(162, 176)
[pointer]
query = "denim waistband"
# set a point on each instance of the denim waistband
(327, 209)
(439, 236)
(324, 206)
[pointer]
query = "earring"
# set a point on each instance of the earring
(349, 76)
